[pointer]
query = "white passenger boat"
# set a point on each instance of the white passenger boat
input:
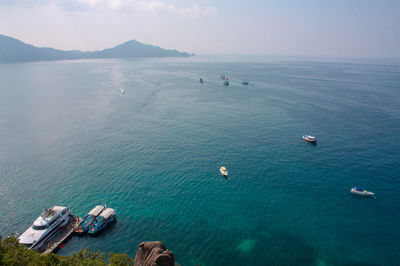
(310, 138)
(223, 171)
(361, 192)
(45, 227)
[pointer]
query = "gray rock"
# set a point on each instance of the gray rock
(154, 254)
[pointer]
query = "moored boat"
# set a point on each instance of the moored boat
(104, 219)
(362, 192)
(245, 83)
(45, 227)
(89, 218)
(310, 138)
(223, 171)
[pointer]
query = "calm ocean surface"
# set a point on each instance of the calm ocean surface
(68, 136)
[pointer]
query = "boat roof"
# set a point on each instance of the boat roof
(97, 210)
(107, 213)
(47, 215)
(31, 235)
(58, 208)
(223, 168)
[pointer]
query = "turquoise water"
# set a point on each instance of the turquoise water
(68, 136)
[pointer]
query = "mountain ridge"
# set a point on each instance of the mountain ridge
(13, 50)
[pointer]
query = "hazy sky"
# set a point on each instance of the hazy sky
(282, 27)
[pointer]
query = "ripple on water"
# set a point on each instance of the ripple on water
(154, 153)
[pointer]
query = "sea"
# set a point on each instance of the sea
(70, 137)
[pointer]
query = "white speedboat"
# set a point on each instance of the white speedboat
(223, 171)
(310, 138)
(45, 227)
(361, 192)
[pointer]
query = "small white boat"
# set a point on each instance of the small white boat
(223, 171)
(123, 92)
(361, 192)
(310, 138)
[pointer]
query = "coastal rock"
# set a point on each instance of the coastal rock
(154, 254)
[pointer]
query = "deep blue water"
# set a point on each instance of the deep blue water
(68, 136)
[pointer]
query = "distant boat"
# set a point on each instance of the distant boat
(123, 92)
(201, 80)
(245, 83)
(223, 171)
(88, 220)
(104, 219)
(310, 138)
(226, 81)
(361, 192)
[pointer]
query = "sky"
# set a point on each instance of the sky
(331, 28)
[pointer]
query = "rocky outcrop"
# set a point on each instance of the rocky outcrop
(154, 254)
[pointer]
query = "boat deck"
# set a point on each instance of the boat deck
(61, 236)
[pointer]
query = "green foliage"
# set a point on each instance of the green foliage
(120, 259)
(15, 254)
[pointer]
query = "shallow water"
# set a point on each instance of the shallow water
(68, 136)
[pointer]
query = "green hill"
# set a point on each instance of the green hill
(13, 50)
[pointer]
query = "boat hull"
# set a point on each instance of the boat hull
(364, 193)
(55, 231)
(100, 224)
(87, 222)
(223, 173)
(309, 140)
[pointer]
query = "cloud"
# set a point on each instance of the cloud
(89, 2)
(195, 10)
(155, 6)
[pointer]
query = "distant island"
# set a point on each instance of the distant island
(13, 51)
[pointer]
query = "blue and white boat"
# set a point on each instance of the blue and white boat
(361, 192)
(88, 220)
(104, 219)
